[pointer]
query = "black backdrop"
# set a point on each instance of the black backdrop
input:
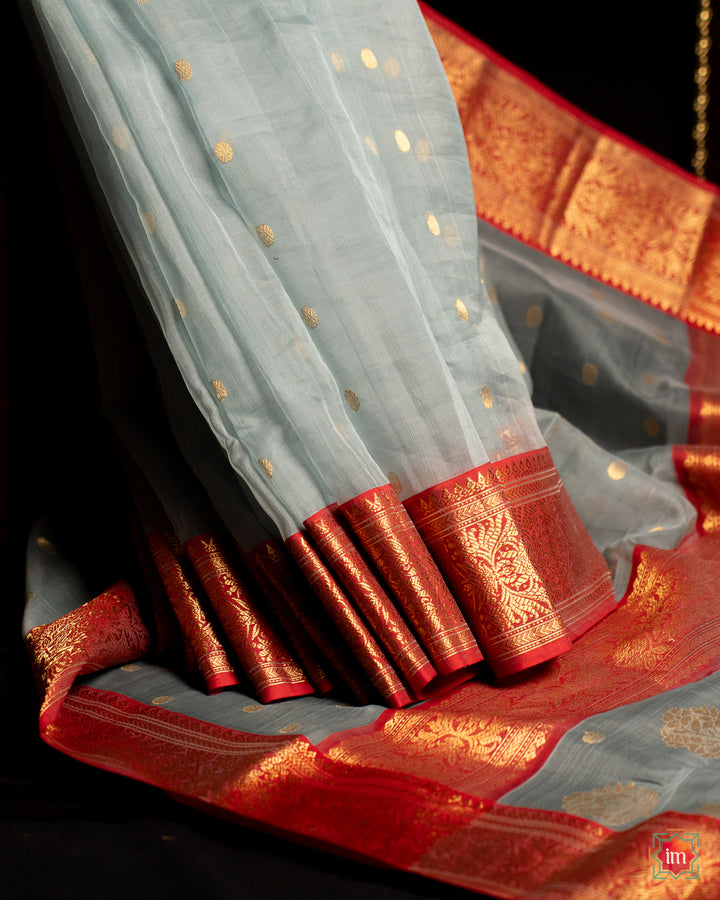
(73, 832)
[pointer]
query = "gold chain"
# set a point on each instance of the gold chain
(702, 80)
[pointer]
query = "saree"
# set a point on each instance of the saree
(491, 764)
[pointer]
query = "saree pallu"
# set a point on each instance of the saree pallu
(571, 779)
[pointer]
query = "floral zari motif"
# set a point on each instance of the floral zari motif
(509, 543)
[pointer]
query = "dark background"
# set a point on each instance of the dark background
(73, 832)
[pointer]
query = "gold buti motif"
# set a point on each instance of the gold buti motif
(433, 224)
(253, 707)
(617, 470)
(589, 374)
(593, 737)
(290, 728)
(696, 729)
(353, 401)
(121, 137)
(371, 144)
(266, 466)
(130, 667)
(46, 546)
(650, 379)
(161, 700)
(401, 139)
(651, 427)
(395, 482)
(220, 389)
(533, 316)
(656, 529)
(309, 316)
(461, 310)
(422, 149)
(486, 395)
(180, 307)
(612, 804)
(223, 151)
(148, 221)
(451, 236)
(522, 366)
(337, 61)
(391, 67)
(183, 70)
(266, 235)
(368, 58)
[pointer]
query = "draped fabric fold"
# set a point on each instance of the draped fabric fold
(310, 296)
(350, 521)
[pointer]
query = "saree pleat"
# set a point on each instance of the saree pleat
(205, 649)
(557, 780)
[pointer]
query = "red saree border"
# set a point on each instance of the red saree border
(703, 380)
(512, 548)
(492, 737)
(577, 191)
(288, 787)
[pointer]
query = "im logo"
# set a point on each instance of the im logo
(676, 854)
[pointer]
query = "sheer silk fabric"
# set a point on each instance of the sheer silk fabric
(291, 184)
(560, 780)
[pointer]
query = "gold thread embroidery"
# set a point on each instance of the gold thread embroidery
(423, 151)
(353, 401)
(266, 466)
(589, 374)
(696, 729)
(309, 316)
(337, 61)
(371, 144)
(391, 67)
(593, 737)
(401, 139)
(223, 151)
(617, 470)
(183, 70)
(433, 224)
(651, 427)
(461, 310)
(612, 804)
(121, 137)
(266, 235)
(160, 700)
(368, 58)
(180, 307)
(148, 221)
(219, 389)
(486, 395)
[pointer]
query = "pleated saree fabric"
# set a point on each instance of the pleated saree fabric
(291, 186)
(342, 495)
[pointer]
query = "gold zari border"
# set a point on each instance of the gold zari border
(547, 176)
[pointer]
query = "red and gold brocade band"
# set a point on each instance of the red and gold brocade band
(203, 648)
(517, 558)
(275, 570)
(267, 663)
